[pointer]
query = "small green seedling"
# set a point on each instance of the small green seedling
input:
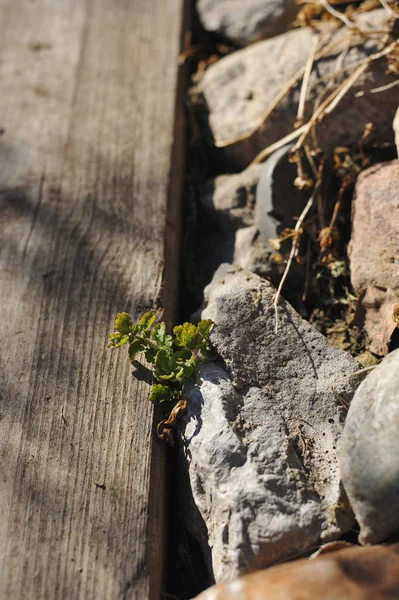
(175, 359)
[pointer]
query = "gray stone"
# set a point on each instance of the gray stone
(369, 452)
(239, 88)
(230, 199)
(229, 202)
(260, 437)
(278, 201)
(246, 21)
(250, 252)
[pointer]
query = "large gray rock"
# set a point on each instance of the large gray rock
(239, 88)
(260, 436)
(369, 452)
(246, 21)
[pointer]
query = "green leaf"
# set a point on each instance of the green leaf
(160, 393)
(182, 354)
(117, 340)
(186, 335)
(163, 393)
(123, 323)
(161, 337)
(184, 371)
(150, 354)
(204, 328)
(174, 359)
(165, 365)
(135, 347)
(146, 320)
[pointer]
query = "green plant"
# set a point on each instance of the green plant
(174, 358)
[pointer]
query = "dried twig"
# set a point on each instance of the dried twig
(310, 160)
(382, 88)
(279, 144)
(323, 109)
(305, 81)
(347, 181)
(264, 116)
(337, 14)
(284, 91)
(389, 9)
(278, 98)
(332, 80)
(295, 244)
(335, 97)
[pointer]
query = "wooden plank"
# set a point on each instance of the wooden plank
(88, 106)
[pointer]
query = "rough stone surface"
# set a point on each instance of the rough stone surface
(374, 247)
(278, 201)
(224, 230)
(351, 574)
(374, 252)
(230, 199)
(369, 452)
(260, 437)
(246, 21)
(250, 252)
(239, 88)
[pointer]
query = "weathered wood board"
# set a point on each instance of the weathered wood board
(87, 104)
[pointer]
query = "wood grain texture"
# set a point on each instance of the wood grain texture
(88, 108)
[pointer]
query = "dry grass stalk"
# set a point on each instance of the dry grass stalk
(335, 97)
(389, 9)
(295, 243)
(278, 98)
(339, 93)
(383, 88)
(264, 116)
(327, 106)
(337, 14)
(288, 86)
(277, 145)
(305, 81)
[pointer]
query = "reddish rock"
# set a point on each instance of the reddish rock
(352, 574)
(374, 252)
(374, 248)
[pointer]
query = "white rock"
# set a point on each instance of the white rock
(260, 436)
(369, 452)
(246, 21)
